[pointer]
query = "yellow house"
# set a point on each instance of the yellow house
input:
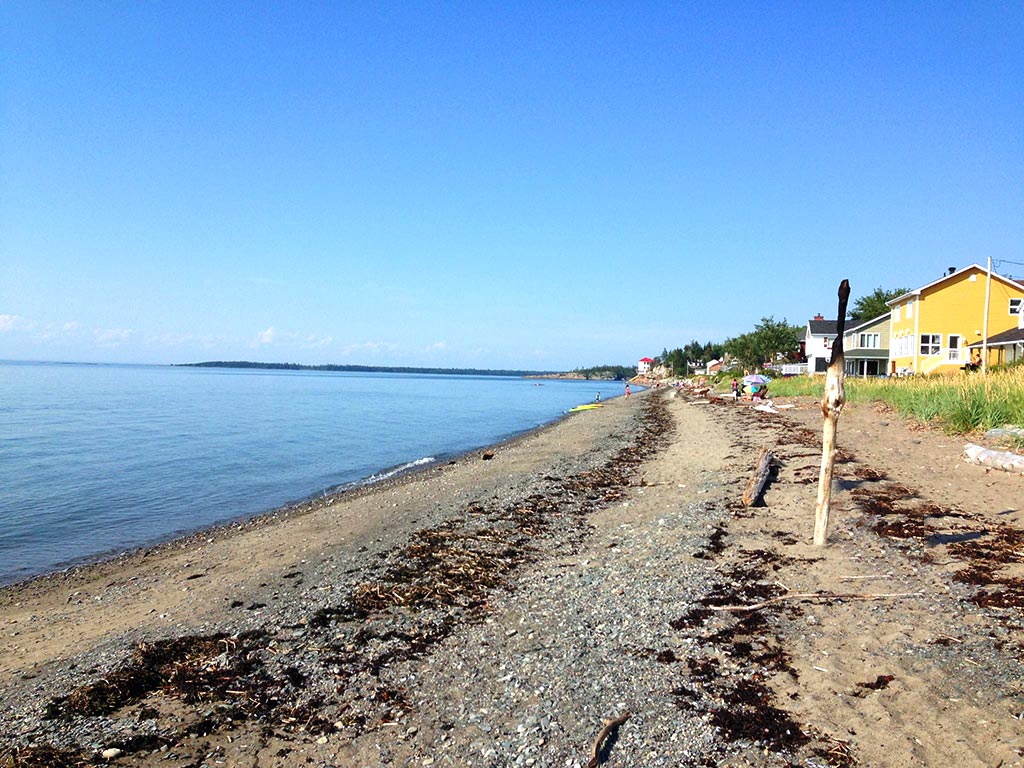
(932, 327)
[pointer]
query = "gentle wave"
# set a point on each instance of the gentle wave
(380, 477)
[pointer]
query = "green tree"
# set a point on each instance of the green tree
(676, 360)
(770, 340)
(743, 348)
(713, 351)
(873, 305)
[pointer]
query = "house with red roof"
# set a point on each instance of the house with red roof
(644, 366)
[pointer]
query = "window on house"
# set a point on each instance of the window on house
(910, 309)
(896, 313)
(868, 341)
(930, 343)
(904, 346)
(1015, 306)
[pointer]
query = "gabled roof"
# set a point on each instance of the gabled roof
(923, 288)
(867, 323)
(823, 327)
(1011, 336)
(646, 360)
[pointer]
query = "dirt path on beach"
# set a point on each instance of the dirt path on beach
(497, 612)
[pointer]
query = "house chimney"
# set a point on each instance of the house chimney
(951, 270)
(818, 317)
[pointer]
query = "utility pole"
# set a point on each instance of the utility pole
(984, 322)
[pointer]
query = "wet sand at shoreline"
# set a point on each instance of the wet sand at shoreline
(495, 612)
(184, 582)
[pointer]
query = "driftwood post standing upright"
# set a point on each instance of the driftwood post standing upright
(831, 406)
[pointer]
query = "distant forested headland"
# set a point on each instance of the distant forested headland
(361, 368)
(605, 372)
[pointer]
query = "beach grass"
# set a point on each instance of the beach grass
(957, 404)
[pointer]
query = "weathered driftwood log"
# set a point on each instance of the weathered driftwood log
(831, 406)
(1008, 431)
(757, 482)
(609, 727)
(986, 457)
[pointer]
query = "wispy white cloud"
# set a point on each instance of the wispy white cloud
(318, 342)
(437, 346)
(207, 341)
(307, 341)
(369, 346)
(52, 331)
(15, 323)
(111, 336)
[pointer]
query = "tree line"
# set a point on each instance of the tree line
(606, 372)
(771, 340)
(362, 368)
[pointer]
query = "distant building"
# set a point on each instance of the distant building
(866, 347)
(713, 366)
(817, 343)
(644, 366)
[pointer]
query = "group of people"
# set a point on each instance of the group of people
(758, 391)
(598, 398)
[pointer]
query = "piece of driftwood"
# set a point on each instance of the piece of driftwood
(813, 596)
(757, 482)
(986, 457)
(831, 406)
(1008, 431)
(606, 731)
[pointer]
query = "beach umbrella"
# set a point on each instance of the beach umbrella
(755, 378)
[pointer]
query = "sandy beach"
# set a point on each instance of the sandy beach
(501, 609)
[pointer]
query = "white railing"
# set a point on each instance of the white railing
(794, 369)
(954, 356)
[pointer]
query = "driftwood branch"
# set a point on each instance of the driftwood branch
(814, 596)
(831, 406)
(609, 727)
(986, 457)
(757, 482)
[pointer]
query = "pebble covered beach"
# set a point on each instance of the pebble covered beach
(565, 599)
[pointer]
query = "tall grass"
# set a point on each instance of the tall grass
(956, 404)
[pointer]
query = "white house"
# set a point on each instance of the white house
(817, 344)
(644, 366)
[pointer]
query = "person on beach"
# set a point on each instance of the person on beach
(627, 391)
(735, 390)
(598, 398)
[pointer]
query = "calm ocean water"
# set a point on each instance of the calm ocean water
(96, 459)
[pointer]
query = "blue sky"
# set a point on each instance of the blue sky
(488, 184)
